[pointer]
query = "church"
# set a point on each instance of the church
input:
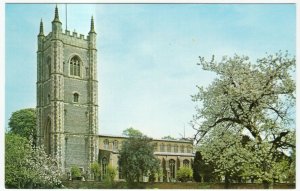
(67, 107)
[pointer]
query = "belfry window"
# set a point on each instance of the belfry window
(75, 66)
(75, 97)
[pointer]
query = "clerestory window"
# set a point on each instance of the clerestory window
(75, 66)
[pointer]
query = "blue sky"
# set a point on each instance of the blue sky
(147, 55)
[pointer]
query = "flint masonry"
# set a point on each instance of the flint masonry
(67, 93)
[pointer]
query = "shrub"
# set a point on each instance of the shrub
(75, 172)
(109, 177)
(95, 168)
(184, 174)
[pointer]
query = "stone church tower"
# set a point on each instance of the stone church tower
(67, 105)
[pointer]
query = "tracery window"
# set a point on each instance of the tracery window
(172, 168)
(162, 148)
(104, 166)
(189, 149)
(182, 149)
(169, 148)
(75, 66)
(106, 144)
(115, 145)
(155, 146)
(175, 148)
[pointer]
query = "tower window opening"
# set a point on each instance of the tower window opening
(75, 66)
(75, 97)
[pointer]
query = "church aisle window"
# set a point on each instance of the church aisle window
(172, 168)
(115, 145)
(104, 166)
(106, 144)
(186, 163)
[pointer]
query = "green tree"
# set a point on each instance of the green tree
(95, 168)
(184, 174)
(23, 123)
(27, 167)
(137, 157)
(202, 171)
(253, 99)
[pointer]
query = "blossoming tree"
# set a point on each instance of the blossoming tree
(257, 100)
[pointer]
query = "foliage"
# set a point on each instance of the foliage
(202, 171)
(95, 169)
(23, 123)
(137, 158)
(257, 100)
(184, 174)
(75, 171)
(27, 167)
(110, 175)
(131, 132)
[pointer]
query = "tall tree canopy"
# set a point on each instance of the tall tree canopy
(23, 123)
(257, 100)
(137, 157)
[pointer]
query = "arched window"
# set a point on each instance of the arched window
(115, 145)
(106, 144)
(104, 166)
(169, 148)
(186, 163)
(182, 149)
(75, 97)
(189, 149)
(162, 147)
(75, 66)
(155, 147)
(175, 148)
(172, 168)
